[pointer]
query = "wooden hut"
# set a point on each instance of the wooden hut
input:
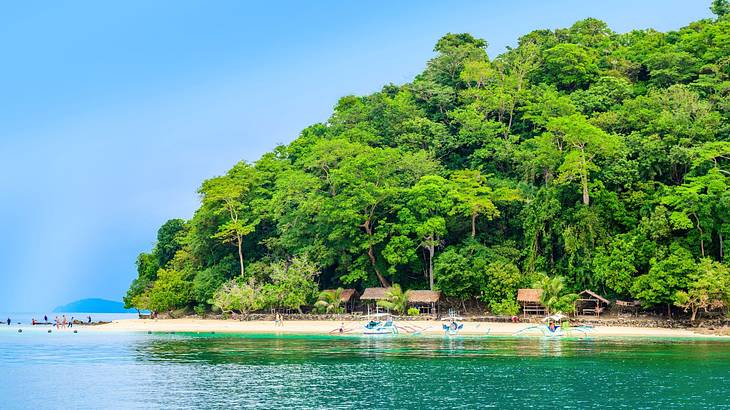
(348, 298)
(529, 299)
(426, 301)
(371, 296)
(590, 303)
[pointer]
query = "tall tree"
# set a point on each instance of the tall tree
(229, 198)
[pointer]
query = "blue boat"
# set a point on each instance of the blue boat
(380, 324)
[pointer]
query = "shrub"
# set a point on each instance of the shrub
(413, 311)
(200, 309)
(507, 307)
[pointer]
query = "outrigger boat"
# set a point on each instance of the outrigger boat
(380, 324)
(556, 326)
(453, 325)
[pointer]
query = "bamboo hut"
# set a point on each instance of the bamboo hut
(529, 300)
(590, 303)
(371, 296)
(426, 301)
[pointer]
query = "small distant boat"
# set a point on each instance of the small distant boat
(453, 325)
(380, 324)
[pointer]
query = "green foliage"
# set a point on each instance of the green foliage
(595, 157)
(555, 296)
(720, 8)
(666, 277)
(506, 307)
(708, 288)
(396, 300)
(413, 311)
(330, 301)
(170, 291)
(169, 240)
(234, 296)
(292, 283)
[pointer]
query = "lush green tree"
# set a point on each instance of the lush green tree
(720, 8)
(227, 195)
(665, 278)
(708, 288)
(292, 283)
(428, 203)
(472, 197)
(237, 296)
(170, 291)
(169, 240)
(570, 66)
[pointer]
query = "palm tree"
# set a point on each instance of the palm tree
(395, 299)
(553, 297)
(330, 300)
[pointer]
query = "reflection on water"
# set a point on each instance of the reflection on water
(221, 371)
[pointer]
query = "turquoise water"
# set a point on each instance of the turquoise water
(191, 371)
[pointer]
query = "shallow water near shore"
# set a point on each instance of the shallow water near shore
(183, 370)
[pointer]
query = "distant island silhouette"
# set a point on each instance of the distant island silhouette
(93, 305)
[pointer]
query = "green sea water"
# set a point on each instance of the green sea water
(192, 371)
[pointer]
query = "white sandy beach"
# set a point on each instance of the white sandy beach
(354, 328)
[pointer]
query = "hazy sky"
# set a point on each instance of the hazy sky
(112, 113)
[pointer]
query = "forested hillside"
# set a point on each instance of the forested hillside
(597, 157)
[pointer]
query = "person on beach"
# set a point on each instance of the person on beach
(58, 323)
(71, 322)
(9, 321)
(65, 322)
(45, 318)
(89, 319)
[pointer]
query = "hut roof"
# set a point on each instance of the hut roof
(347, 294)
(529, 295)
(595, 296)
(374, 294)
(423, 296)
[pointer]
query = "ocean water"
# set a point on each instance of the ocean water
(92, 370)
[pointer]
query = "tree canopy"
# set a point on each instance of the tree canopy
(595, 157)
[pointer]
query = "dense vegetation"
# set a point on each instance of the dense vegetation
(589, 156)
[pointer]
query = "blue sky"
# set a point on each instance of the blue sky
(112, 113)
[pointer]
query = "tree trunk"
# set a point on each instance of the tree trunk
(430, 266)
(694, 314)
(473, 225)
(719, 234)
(669, 310)
(584, 182)
(371, 255)
(702, 241)
(240, 254)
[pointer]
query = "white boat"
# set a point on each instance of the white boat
(380, 324)
(553, 326)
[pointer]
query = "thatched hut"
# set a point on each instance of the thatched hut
(348, 298)
(426, 301)
(529, 300)
(590, 303)
(371, 296)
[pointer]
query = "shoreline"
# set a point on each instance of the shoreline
(419, 327)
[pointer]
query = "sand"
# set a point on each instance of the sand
(353, 328)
